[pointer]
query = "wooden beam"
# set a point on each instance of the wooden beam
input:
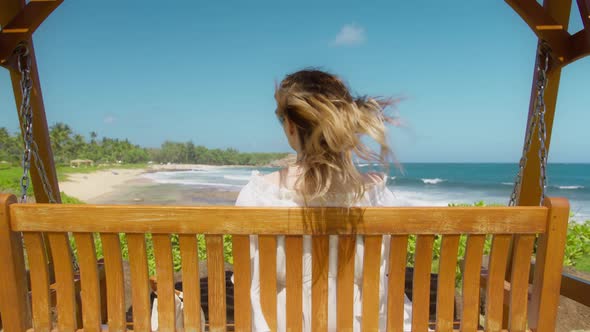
(579, 46)
(584, 7)
(22, 26)
(9, 9)
(530, 192)
(277, 221)
(544, 25)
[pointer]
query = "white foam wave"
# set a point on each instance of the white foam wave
(237, 177)
(433, 181)
(508, 183)
(188, 182)
(570, 187)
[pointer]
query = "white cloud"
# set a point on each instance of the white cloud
(109, 119)
(350, 35)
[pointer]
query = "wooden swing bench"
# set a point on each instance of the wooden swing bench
(543, 228)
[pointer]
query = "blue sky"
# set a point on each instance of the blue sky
(203, 71)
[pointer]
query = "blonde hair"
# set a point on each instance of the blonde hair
(331, 124)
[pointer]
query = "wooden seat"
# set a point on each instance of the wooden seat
(525, 224)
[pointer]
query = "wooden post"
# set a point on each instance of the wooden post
(14, 305)
(542, 313)
(530, 193)
(8, 10)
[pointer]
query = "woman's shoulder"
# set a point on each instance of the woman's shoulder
(377, 193)
(263, 189)
(374, 179)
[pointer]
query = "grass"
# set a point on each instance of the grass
(583, 264)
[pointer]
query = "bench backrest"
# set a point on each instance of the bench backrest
(543, 228)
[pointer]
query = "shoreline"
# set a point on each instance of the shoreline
(122, 185)
(86, 186)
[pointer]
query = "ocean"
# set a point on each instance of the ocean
(422, 184)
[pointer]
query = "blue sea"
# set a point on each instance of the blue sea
(424, 184)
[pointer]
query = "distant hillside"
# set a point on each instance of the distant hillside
(283, 162)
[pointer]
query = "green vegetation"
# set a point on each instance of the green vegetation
(577, 249)
(68, 145)
(188, 153)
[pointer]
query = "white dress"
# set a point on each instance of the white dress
(260, 192)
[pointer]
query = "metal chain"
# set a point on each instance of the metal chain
(26, 115)
(536, 119)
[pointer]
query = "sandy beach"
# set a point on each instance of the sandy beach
(86, 186)
(129, 186)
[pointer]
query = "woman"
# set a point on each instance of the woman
(325, 125)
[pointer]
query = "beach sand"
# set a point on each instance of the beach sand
(87, 186)
(128, 186)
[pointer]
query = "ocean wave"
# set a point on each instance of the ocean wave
(433, 181)
(192, 182)
(570, 187)
(237, 177)
(508, 183)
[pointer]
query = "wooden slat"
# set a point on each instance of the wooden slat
(39, 274)
(267, 245)
(242, 304)
(495, 281)
(189, 254)
(523, 249)
(216, 277)
(550, 249)
(471, 284)
(345, 284)
(277, 221)
(397, 278)
(64, 281)
(13, 299)
(140, 280)
(319, 279)
(165, 278)
(294, 282)
(421, 282)
(371, 266)
(113, 264)
(445, 297)
(90, 288)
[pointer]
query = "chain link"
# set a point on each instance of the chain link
(22, 54)
(537, 119)
(26, 115)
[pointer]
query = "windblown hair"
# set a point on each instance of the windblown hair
(331, 124)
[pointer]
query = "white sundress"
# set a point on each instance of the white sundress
(260, 192)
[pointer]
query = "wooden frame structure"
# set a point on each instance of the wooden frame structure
(549, 22)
